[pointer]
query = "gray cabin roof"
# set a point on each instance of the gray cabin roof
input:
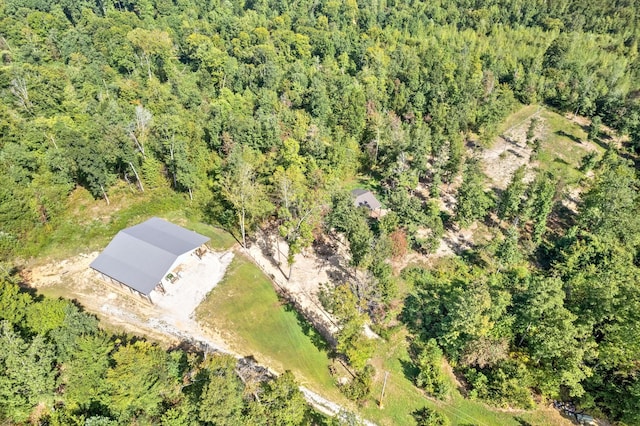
(364, 198)
(141, 256)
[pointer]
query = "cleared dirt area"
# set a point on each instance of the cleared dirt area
(562, 146)
(311, 269)
(327, 262)
(169, 319)
(197, 277)
(511, 151)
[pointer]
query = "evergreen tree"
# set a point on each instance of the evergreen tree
(472, 201)
(511, 198)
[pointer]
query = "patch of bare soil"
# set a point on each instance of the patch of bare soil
(508, 153)
(169, 320)
(301, 282)
(454, 240)
(511, 151)
(327, 263)
(571, 199)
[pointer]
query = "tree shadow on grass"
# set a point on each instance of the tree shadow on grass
(603, 141)
(409, 370)
(308, 329)
(561, 161)
(568, 136)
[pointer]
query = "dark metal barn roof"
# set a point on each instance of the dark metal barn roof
(142, 255)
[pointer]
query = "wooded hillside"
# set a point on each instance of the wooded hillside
(282, 98)
(58, 368)
(267, 112)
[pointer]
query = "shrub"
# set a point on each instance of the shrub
(429, 417)
(589, 161)
(428, 360)
(507, 384)
(359, 388)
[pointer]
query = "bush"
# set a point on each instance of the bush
(428, 360)
(426, 245)
(531, 131)
(429, 417)
(535, 151)
(505, 385)
(479, 384)
(359, 388)
(399, 243)
(594, 128)
(589, 161)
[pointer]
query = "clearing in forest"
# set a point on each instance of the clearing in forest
(561, 146)
(245, 309)
(243, 313)
(169, 320)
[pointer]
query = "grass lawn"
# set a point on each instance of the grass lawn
(402, 397)
(88, 224)
(564, 142)
(563, 147)
(245, 309)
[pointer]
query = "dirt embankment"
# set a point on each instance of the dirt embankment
(170, 320)
(301, 281)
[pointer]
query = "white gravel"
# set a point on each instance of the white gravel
(197, 278)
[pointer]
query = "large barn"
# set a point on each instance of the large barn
(142, 256)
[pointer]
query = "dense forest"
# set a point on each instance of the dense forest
(261, 113)
(59, 368)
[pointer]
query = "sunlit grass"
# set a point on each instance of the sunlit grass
(402, 398)
(246, 310)
(88, 224)
(563, 147)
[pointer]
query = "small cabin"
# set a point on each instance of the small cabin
(366, 199)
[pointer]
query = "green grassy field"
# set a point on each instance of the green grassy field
(402, 397)
(564, 145)
(219, 239)
(245, 309)
(88, 224)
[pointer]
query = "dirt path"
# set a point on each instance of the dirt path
(309, 271)
(170, 320)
